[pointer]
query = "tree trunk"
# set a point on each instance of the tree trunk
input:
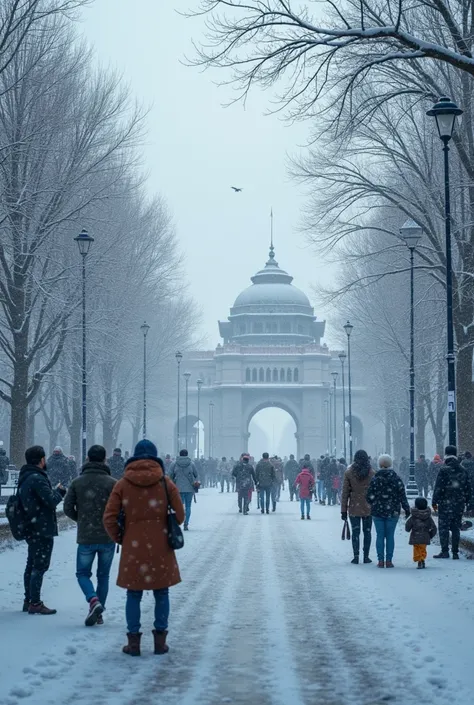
(30, 427)
(420, 428)
(465, 398)
(388, 432)
(19, 413)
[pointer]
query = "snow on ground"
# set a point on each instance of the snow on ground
(270, 611)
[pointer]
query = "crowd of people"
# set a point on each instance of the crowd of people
(128, 502)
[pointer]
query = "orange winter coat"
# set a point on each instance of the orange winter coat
(146, 562)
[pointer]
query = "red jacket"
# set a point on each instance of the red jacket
(305, 480)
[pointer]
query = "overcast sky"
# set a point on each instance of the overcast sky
(196, 149)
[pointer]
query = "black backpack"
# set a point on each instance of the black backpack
(16, 516)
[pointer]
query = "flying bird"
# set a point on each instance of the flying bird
(237, 190)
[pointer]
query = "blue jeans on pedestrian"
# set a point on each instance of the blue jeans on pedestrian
(133, 611)
(86, 553)
(321, 490)
(305, 503)
(385, 544)
(265, 495)
(187, 499)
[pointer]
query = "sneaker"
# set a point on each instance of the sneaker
(389, 564)
(455, 556)
(40, 608)
(268, 511)
(380, 564)
(26, 605)
(443, 554)
(100, 620)
(262, 511)
(367, 559)
(240, 511)
(95, 609)
(355, 560)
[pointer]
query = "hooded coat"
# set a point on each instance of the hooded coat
(386, 494)
(147, 562)
(305, 482)
(59, 469)
(421, 526)
(292, 469)
(265, 474)
(452, 490)
(39, 502)
(183, 473)
(354, 493)
(116, 464)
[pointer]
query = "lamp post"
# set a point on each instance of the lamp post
(186, 375)
(330, 420)
(349, 328)
(199, 385)
(342, 358)
(84, 241)
(211, 428)
(334, 377)
(411, 232)
(179, 357)
(445, 112)
(326, 404)
(144, 329)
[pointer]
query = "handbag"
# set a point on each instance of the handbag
(346, 532)
(175, 535)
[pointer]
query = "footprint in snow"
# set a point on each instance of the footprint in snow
(19, 692)
(438, 682)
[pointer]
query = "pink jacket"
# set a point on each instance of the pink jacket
(305, 480)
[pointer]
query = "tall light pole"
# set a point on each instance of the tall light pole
(179, 357)
(84, 241)
(411, 232)
(334, 377)
(326, 404)
(144, 329)
(330, 419)
(211, 428)
(342, 358)
(445, 112)
(349, 328)
(199, 385)
(186, 376)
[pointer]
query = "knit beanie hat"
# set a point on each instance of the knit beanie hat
(146, 449)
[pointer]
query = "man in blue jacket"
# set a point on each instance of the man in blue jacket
(39, 501)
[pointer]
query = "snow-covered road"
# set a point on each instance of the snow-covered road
(270, 612)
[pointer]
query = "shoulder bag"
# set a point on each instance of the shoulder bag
(175, 535)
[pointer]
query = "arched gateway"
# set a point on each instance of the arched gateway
(271, 355)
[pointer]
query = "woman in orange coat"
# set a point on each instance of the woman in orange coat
(136, 517)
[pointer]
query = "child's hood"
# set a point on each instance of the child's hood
(422, 514)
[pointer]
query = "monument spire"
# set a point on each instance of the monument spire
(272, 249)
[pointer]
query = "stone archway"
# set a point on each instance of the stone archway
(192, 420)
(287, 406)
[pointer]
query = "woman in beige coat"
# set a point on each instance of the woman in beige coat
(354, 503)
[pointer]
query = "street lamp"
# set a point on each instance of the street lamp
(186, 376)
(211, 428)
(411, 232)
(84, 241)
(445, 112)
(349, 328)
(199, 385)
(326, 404)
(179, 357)
(144, 329)
(330, 419)
(334, 377)
(342, 358)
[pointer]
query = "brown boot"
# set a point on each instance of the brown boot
(40, 608)
(133, 646)
(161, 647)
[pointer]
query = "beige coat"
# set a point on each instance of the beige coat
(354, 492)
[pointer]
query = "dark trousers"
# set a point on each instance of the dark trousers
(366, 528)
(244, 500)
(449, 520)
(37, 563)
(293, 491)
(265, 496)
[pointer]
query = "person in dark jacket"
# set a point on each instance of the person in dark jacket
(265, 476)
(4, 463)
(72, 467)
(39, 501)
(184, 475)
(116, 464)
(85, 504)
(421, 475)
(306, 462)
(59, 469)
(468, 465)
(357, 479)
(422, 529)
(245, 480)
(386, 496)
(404, 470)
(292, 470)
(451, 494)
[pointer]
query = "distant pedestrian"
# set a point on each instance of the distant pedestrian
(85, 504)
(265, 476)
(404, 470)
(354, 503)
(167, 463)
(421, 475)
(245, 479)
(184, 475)
(305, 485)
(72, 466)
(39, 501)
(116, 463)
(386, 496)
(452, 493)
(292, 470)
(422, 529)
(59, 468)
(468, 465)
(147, 562)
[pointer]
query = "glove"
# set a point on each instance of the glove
(407, 513)
(344, 516)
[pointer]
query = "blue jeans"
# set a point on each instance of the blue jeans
(264, 498)
(385, 543)
(321, 490)
(187, 499)
(305, 503)
(133, 612)
(86, 553)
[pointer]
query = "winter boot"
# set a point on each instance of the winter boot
(95, 610)
(389, 564)
(262, 511)
(240, 511)
(367, 559)
(380, 564)
(302, 517)
(26, 605)
(40, 608)
(443, 554)
(423, 564)
(274, 507)
(308, 517)
(455, 556)
(161, 647)
(268, 511)
(133, 646)
(186, 527)
(355, 560)
(420, 565)
(100, 620)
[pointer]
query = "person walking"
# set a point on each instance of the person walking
(147, 562)
(468, 465)
(116, 464)
(404, 470)
(422, 529)
(386, 496)
(85, 504)
(278, 482)
(224, 474)
(59, 468)
(39, 501)
(245, 479)
(292, 470)
(421, 475)
(4, 463)
(265, 476)
(357, 479)
(184, 475)
(305, 483)
(452, 493)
